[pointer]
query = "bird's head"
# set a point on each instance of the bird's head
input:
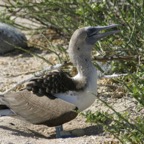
(83, 39)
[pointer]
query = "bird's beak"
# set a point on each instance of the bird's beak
(100, 28)
(95, 33)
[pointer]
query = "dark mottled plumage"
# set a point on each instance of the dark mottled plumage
(3, 107)
(52, 83)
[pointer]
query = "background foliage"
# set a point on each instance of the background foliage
(124, 51)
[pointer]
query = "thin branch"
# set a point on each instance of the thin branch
(50, 68)
(126, 58)
(29, 52)
(114, 75)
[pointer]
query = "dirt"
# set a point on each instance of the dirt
(17, 67)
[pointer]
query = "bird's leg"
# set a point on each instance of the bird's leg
(58, 131)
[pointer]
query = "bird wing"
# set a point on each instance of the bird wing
(40, 110)
(37, 102)
(52, 83)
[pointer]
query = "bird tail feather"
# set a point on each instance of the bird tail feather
(1, 100)
(4, 110)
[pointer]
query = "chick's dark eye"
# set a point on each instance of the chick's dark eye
(78, 48)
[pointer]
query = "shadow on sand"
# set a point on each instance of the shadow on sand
(88, 131)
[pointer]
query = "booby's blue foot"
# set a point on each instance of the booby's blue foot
(58, 131)
(62, 134)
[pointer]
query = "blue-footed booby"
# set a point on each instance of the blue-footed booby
(55, 98)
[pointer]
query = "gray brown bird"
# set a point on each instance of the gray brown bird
(11, 38)
(56, 98)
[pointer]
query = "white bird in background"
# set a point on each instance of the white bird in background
(55, 98)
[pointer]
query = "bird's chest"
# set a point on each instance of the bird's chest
(88, 96)
(84, 98)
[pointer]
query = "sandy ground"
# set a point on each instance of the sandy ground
(15, 68)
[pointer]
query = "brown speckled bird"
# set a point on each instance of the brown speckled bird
(55, 98)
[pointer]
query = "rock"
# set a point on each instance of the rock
(11, 37)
